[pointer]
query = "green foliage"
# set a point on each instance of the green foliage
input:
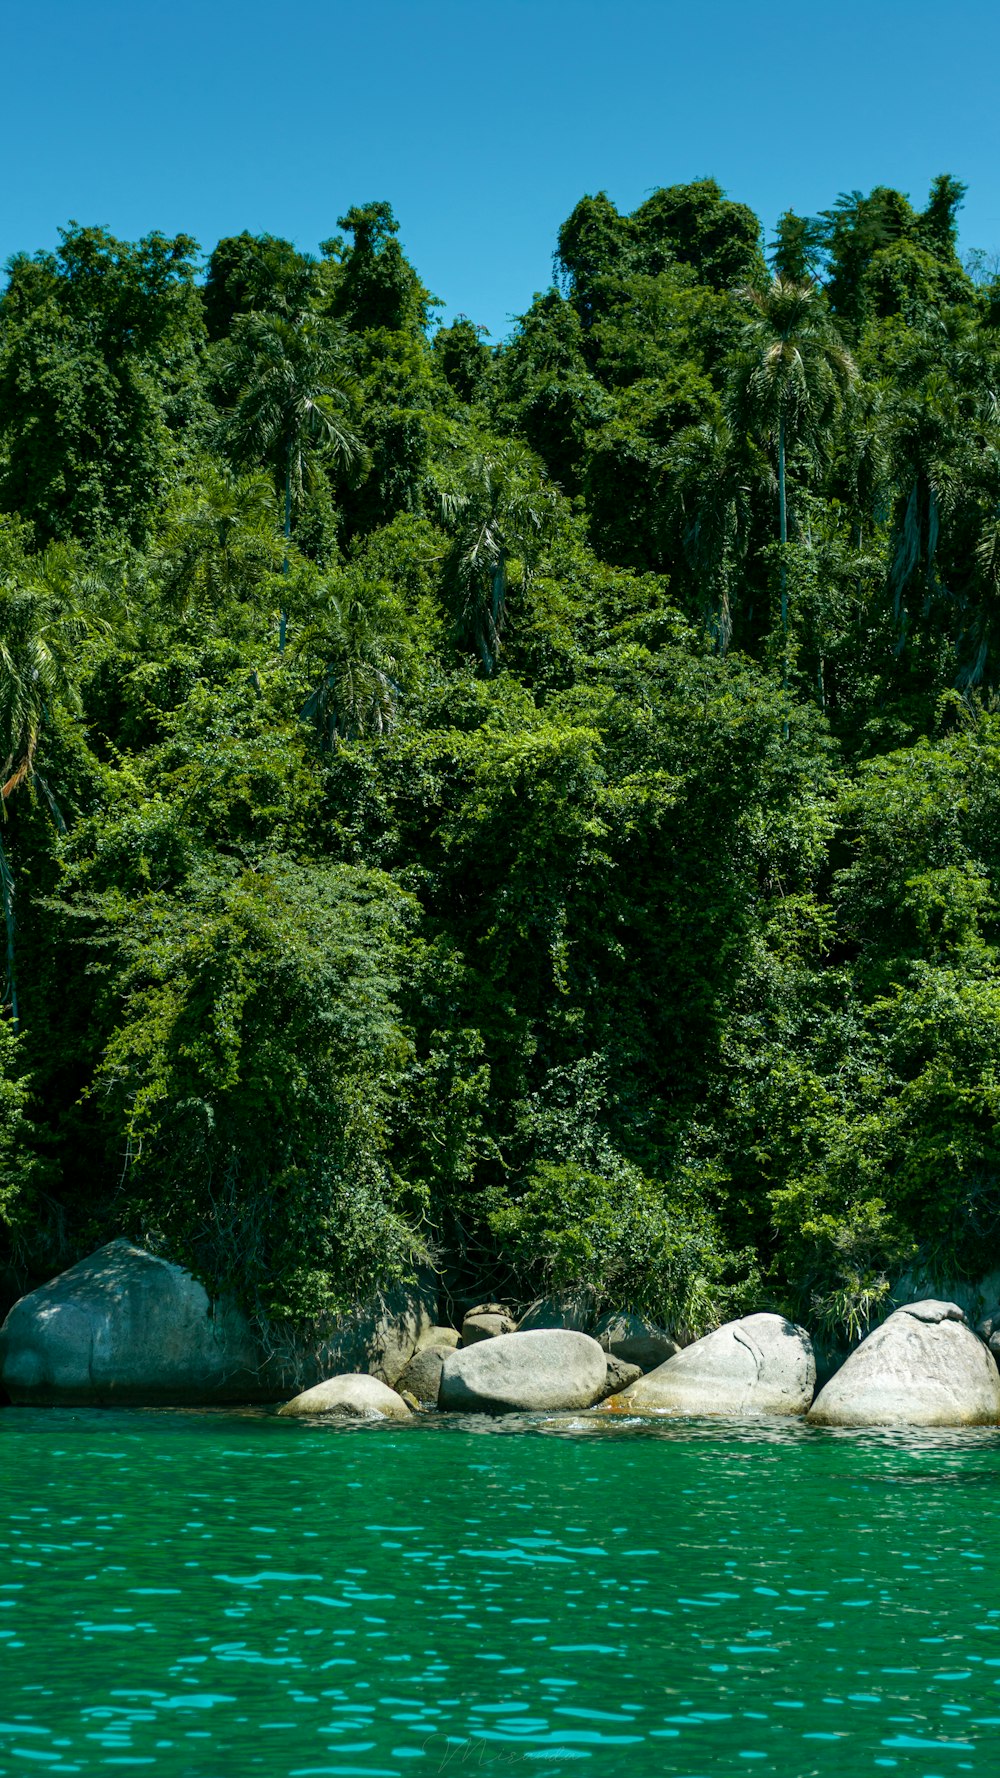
(600, 885)
(23, 1171)
(99, 347)
(624, 1236)
(251, 1079)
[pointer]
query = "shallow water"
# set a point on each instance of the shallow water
(212, 1595)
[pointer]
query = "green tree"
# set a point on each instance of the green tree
(499, 510)
(249, 272)
(787, 384)
(99, 353)
(289, 403)
(42, 622)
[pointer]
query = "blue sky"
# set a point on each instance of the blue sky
(482, 124)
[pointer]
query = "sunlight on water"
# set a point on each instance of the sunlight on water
(212, 1594)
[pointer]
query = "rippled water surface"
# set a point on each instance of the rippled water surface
(224, 1594)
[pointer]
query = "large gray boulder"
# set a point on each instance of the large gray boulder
(923, 1367)
(124, 1326)
(353, 1398)
(762, 1364)
(634, 1340)
(546, 1368)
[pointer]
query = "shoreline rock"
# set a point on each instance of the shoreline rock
(487, 1322)
(125, 1327)
(545, 1368)
(357, 1397)
(575, 1310)
(634, 1340)
(923, 1367)
(761, 1364)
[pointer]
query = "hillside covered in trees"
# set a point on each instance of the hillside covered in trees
(536, 805)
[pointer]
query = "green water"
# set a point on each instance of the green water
(212, 1595)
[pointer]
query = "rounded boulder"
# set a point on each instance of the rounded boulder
(354, 1397)
(761, 1364)
(487, 1322)
(541, 1370)
(923, 1367)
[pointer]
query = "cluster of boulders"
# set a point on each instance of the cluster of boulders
(924, 1366)
(125, 1326)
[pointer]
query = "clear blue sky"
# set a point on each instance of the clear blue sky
(481, 124)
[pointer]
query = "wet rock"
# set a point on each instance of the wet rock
(125, 1326)
(486, 1323)
(761, 1364)
(619, 1376)
(573, 1309)
(353, 1397)
(422, 1376)
(637, 1341)
(923, 1367)
(544, 1368)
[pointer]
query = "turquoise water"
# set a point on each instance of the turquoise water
(212, 1594)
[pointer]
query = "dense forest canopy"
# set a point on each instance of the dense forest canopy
(535, 806)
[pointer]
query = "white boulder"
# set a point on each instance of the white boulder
(761, 1364)
(354, 1398)
(546, 1368)
(923, 1367)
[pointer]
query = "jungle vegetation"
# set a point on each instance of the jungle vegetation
(534, 805)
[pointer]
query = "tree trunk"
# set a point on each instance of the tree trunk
(7, 889)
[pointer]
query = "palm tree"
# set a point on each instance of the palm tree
(41, 626)
(788, 382)
(500, 513)
(289, 403)
(359, 681)
(218, 541)
(707, 511)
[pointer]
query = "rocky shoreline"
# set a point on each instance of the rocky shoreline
(124, 1327)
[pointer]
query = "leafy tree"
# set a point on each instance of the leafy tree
(253, 272)
(98, 374)
(464, 358)
(289, 403)
(373, 284)
(499, 511)
(42, 622)
(788, 383)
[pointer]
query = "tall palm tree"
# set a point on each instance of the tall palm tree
(289, 403)
(707, 512)
(218, 540)
(500, 512)
(359, 667)
(788, 381)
